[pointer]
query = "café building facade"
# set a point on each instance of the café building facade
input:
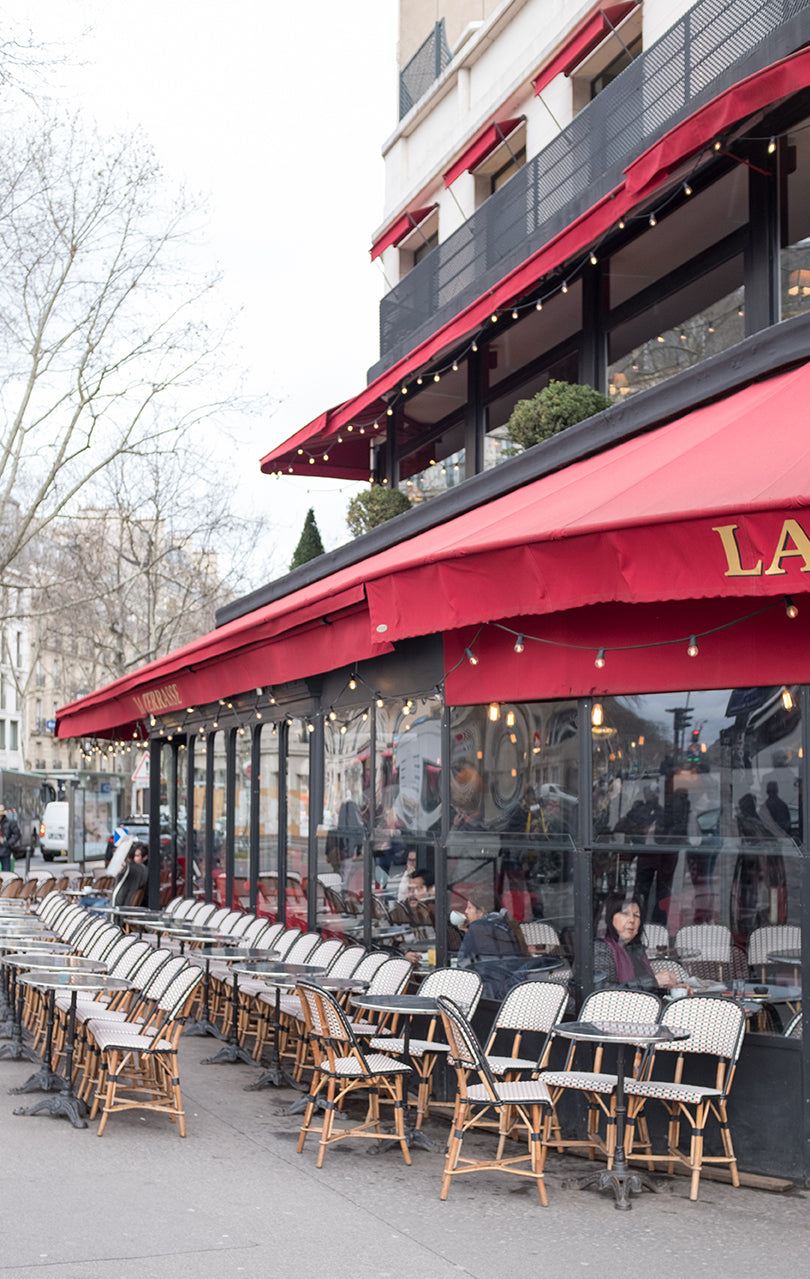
(580, 667)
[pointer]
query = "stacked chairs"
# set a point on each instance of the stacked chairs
(342, 1068)
(716, 1027)
(464, 987)
(598, 1088)
(524, 1101)
(138, 1067)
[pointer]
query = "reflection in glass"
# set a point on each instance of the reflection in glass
(297, 823)
(267, 886)
(347, 763)
(697, 809)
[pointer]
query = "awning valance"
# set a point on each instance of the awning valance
(478, 150)
(713, 505)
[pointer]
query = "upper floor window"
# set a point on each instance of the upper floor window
(614, 68)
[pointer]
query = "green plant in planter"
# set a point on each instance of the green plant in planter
(378, 504)
(558, 405)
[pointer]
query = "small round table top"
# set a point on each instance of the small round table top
(270, 970)
(47, 961)
(407, 1005)
(74, 981)
(620, 1032)
(230, 954)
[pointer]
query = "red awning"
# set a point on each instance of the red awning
(716, 504)
(478, 150)
(582, 41)
(399, 229)
(645, 174)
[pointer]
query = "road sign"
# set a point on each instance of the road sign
(141, 770)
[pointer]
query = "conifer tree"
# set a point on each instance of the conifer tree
(309, 545)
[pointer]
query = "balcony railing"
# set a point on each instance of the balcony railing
(716, 43)
(424, 68)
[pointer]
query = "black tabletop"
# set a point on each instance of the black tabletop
(406, 1004)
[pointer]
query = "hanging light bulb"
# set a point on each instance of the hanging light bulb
(470, 656)
(600, 659)
(692, 648)
(564, 288)
(653, 220)
(790, 608)
(538, 306)
(787, 699)
(597, 714)
(514, 313)
(353, 682)
(494, 712)
(380, 703)
(687, 190)
(474, 346)
(519, 645)
(594, 259)
(771, 146)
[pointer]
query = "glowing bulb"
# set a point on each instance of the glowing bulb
(790, 608)
(597, 714)
(653, 220)
(771, 146)
(564, 288)
(692, 648)
(519, 645)
(494, 712)
(594, 259)
(787, 699)
(600, 659)
(538, 306)
(470, 656)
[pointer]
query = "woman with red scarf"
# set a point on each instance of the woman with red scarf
(619, 959)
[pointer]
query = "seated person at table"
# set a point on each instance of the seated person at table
(620, 959)
(493, 945)
(132, 877)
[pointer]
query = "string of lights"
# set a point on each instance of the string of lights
(228, 715)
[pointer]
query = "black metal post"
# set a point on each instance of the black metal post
(583, 875)
(153, 882)
(316, 784)
(283, 751)
(255, 814)
(230, 813)
(209, 816)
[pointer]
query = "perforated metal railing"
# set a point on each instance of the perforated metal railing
(716, 42)
(425, 66)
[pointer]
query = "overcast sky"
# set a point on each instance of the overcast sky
(277, 113)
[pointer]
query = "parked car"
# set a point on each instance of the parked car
(54, 830)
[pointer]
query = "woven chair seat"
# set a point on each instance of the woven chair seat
(378, 1064)
(256, 989)
(586, 1080)
(501, 1065)
(691, 1094)
(416, 1048)
(529, 1092)
(127, 1038)
(367, 1028)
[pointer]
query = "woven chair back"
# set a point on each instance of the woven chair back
(326, 952)
(465, 1050)
(715, 1026)
(712, 941)
(302, 948)
(621, 1005)
(537, 933)
(370, 964)
(285, 942)
(462, 985)
(772, 938)
(347, 961)
(531, 1006)
(391, 977)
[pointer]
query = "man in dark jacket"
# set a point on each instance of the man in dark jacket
(9, 839)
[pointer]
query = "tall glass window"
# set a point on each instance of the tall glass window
(697, 814)
(514, 787)
(297, 823)
(267, 887)
(346, 823)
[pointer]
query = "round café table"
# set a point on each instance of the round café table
(280, 976)
(621, 1179)
(65, 1102)
(46, 1079)
(11, 1026)
(203, 1025)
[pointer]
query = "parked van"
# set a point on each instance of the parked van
(54, 830)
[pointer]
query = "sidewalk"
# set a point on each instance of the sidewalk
(234, 1199)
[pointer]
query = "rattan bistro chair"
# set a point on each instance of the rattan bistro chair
(533, 1007)
(526, 1100)
(598, 1088)
(343, 1068)
(142, 1063)
(716, 1027)
(464, 987)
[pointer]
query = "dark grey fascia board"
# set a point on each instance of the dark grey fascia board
(762, 355)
